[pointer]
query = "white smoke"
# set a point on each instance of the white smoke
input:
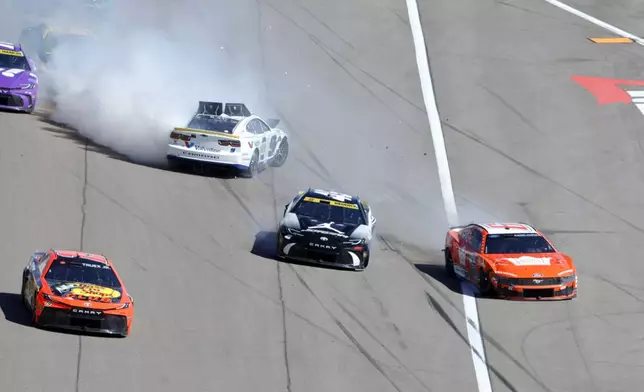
(146, 68)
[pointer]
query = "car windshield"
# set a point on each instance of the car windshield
(329, 211)
(13, 61)
(213, 123)
(516, 243)
(80, 270)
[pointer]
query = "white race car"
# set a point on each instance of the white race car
(228, 135)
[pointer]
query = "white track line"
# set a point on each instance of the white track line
(432, 113)
(469, 302)
(596, 21)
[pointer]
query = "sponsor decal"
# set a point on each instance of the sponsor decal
(325, 228)
(324, 239)
(87, 292)
(11, 73)
(528, 260)
(331, 202)
(537, 275)
(205, 149)
(198, 147)
(11, 53)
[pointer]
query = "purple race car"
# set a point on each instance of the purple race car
(18, 83)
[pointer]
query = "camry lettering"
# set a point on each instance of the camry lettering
(88, 312)
(314, 245)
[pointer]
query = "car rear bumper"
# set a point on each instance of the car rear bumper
(235, 159)
(65, 319)
(19, 100)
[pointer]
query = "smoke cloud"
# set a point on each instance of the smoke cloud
(146, 66)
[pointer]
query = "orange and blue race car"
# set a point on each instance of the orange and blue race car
(510, 260)
(76, 291)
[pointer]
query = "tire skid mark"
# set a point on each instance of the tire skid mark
(332, 56)
(239, 200)
(326, 26)
(487, 338)
(538, 174)
(278, 266)
(382, 345)
(436, 306)
(325, 175)
(346, 332)
(621, 288)
(511, 108)
(218, 267)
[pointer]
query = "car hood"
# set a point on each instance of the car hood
(87, 295)
(332, 228)
(532, 265)
(12, 77)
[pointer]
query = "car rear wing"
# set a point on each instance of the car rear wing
(218, 108)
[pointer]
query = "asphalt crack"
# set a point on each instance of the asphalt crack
(81, 246)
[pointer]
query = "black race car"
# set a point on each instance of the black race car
(326, 227)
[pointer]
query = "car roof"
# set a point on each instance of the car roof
(507, 228)
(75, 254)
(333, 195)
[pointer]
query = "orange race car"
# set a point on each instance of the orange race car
(510, 260)
(78, 291)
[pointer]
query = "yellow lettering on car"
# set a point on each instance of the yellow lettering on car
(331, 202)
(11, 53)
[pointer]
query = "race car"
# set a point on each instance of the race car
(326, 227)
(43, 39)
(76, 291)
(18, 83)
(510, 260)
(230, 136)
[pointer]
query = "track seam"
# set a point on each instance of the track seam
(287, 367)
(82, 241)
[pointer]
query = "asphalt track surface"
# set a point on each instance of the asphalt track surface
(524, 141)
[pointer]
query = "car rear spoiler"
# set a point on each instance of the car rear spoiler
(218, 108)
(272, 122)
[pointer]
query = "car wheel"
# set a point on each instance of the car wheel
(485, 286)
(281, 154)
(252, 166)
(365, 262)
(23, 296)
(449, 263)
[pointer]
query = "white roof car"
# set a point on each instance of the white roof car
(229, 135)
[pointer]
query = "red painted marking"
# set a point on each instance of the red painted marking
(606, 90)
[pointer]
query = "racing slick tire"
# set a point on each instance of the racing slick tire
(449, 263)
(364, 263)
(23, 297)
(280, 156)
(253, 166)
(485, 286)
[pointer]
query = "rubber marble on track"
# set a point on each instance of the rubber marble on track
(210, 315)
